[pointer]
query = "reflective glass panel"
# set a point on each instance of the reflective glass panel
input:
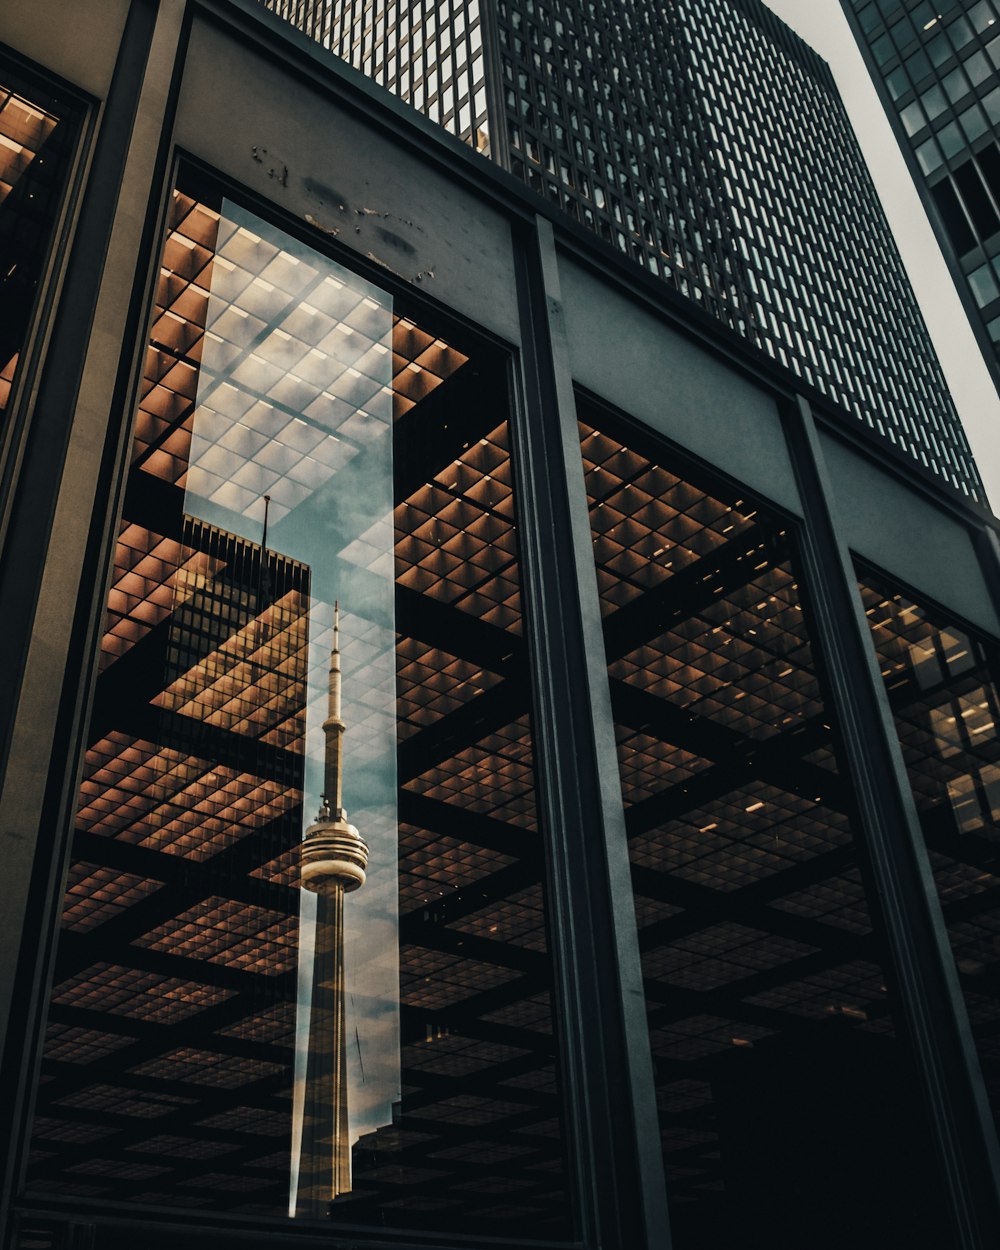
(789, 1111)
(303, 966)
(36, 134)
(942, 684)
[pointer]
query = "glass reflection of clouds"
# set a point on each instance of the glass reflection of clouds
(292, 430)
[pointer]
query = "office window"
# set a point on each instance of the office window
(982, 16)
(951, 139)
(973, 123)
(929, 156)
(913, 118)
(934, 102)
(955, 84)
(786, 1094)
(303, 965)
(953, 216)
(37, 132)
(941, 682)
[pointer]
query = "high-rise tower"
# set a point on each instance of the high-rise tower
(334, 862)
(936, 67)
(705, 140)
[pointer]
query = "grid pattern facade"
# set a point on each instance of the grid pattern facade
(707, 142)
(429, 54)
(716, 152)
(313, 17)
(937, 67)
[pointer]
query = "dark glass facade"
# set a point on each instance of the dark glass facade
(36, 137)
(709, 144)
(763, 958)
(450, 790)
(279, 391)
(937, 70)
(940, 678)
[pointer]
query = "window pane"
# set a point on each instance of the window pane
(923, 14)
(768, 1004)
(36, 137)
(982, 16)
(955, 84)
(897, 82)
(913, 118)
(901, 32)
(929, 156)
(883, 50)
(951, 139)
(984, 285)
(934, 102)
(300, 443)
(960, 32)
(944, 699)
(918, 66)
(978, 68)
(869, 18)
(939, 50)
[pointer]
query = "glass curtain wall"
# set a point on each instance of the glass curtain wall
(941, 679)
(36, 138)
(303, 965)
(789, 1109)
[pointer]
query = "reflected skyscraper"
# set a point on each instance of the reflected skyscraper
(707, 142)
(936, 68)
(334, 863)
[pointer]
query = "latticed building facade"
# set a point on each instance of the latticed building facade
(341, 473)
(706, 141)
(936, 68)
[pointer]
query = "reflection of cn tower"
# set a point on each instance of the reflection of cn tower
(334, 859)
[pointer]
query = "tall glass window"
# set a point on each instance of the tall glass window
(789, 1110)
(303, 965)
(942, 684)
(36, 136)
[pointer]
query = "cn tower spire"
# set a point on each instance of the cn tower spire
(334, 862)
(333, 728)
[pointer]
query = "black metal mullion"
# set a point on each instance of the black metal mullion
(926, 978)
(606, 1077)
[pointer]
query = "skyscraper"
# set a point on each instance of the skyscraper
(706, 141)
(936, 67)
(334, 860)
(672, 707)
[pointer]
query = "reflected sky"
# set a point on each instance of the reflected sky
(293, 430)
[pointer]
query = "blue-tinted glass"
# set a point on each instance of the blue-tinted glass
(928, 156)
(982, 15)
(901, 32)
(994, 329)
(955, 85)
(991, 103)
(938, 49)
(993, 50)
(922, 14)
(913, 118)
(869, 18)
(934, 102)
(960, 32)
(973, 123)
(897, 82)
(918, 66)
(984, 285)
(882, 49)
(951, 139)
(978, 68)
